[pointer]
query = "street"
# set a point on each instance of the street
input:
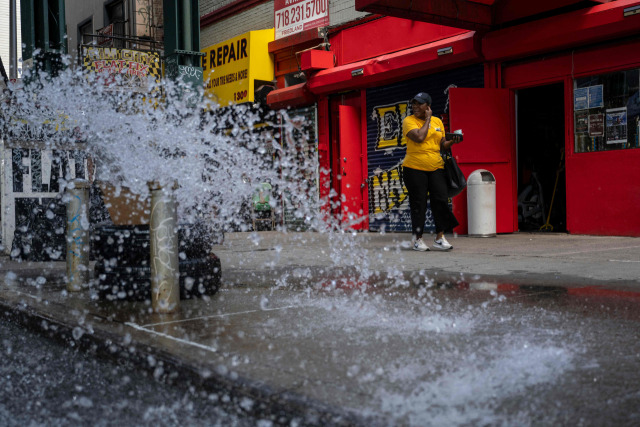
(47, 383)
(404, 356)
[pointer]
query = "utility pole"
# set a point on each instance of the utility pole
(182, 45)
(13, 40)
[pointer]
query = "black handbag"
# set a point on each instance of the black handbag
(456, 182)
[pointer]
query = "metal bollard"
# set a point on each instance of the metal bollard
(78, 235)
(163, 231)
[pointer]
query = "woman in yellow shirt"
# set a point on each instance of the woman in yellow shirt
(423, 172)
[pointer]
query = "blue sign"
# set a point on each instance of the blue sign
(596, 98)
(580, 99)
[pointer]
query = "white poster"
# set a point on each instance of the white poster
(616, 125)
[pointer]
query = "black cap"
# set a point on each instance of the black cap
(422, 98)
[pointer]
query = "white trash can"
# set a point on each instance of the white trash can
(481, 204)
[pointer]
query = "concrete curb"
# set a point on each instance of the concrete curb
(282, 408)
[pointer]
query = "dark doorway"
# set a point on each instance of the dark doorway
(541, 174)
(115, 15)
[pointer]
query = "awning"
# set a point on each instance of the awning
(471, 15)
(292, 96)
(432, 57)
(477, 15)
(579, 28)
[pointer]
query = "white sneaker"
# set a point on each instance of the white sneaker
(420, 245)
(442, 244)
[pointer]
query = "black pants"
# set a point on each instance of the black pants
(419, 183)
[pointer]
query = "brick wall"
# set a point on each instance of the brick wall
(207, 6)
(343, 11)
(260, 17)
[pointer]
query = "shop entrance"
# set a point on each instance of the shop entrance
(540, 152)
(348, 170)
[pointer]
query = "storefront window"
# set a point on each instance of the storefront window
(607, 111)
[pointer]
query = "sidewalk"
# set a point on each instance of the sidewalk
(562, 260)
(269, 346)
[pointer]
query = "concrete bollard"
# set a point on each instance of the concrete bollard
(78, 236)
(163, 231)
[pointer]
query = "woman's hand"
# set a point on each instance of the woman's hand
(445, 145)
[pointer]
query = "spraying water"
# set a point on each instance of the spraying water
(217, 159)
(214, 155)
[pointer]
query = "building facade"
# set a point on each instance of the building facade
(545, 93)
(99, 35)
(134, 24)
(226, 23)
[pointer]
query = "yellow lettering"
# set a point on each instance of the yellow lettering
(389, 130)
(386, 191)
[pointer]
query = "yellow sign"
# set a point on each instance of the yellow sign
(231, 68)
(136, 68)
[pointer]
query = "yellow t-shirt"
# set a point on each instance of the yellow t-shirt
(424, 155)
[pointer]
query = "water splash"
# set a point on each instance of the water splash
(217, 160)
(216, 156)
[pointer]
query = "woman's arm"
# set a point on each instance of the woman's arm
(419, 135)
(446, 145)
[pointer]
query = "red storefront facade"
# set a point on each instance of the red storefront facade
(526, 118)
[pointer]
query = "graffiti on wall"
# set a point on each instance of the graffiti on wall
(388, 196)
(45, 169)
(386, 190)
(389, 125)
(33, 222)
(387, 193)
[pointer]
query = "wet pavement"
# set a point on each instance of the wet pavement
(44, 382)
(360, 330)
(520, 258)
